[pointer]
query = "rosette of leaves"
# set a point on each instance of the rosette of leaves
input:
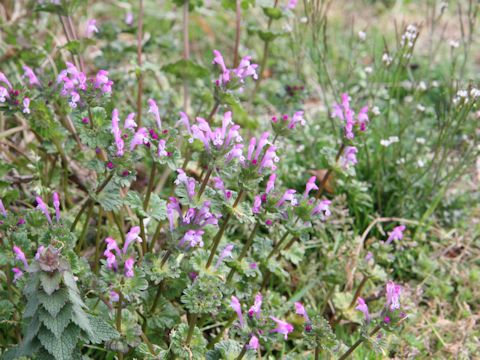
(55, 317)
(204, 295)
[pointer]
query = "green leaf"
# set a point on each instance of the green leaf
(272, 13)
(101, 330)
(80, 318)
(186, 69)
(110, 198)
(31, 307)
(56, 324)
(158, 208)
(55, 302)
(50, 281)
(61, 348)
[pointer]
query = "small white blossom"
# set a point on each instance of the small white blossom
(362, 35)
(420, 140)
(420, 108)
(375, 111)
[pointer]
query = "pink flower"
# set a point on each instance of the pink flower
(253, 343)
(162, 152)
(246, 69)
(345, 113)
(218, 59)
(287, 196)
(256, 307)
(26, 106)
(283, 327)
(300, 310)
(193, 238)
(3, 94)
(363, 118)
(323, 208)
(2, 209)
(129, 19)
(393, 295)
(114, 297)
(20, 256)
(17, 274)
(396, 234)
(111, 260)
(39, 252)
(42, 207)
(32, 78)
(129, 267)
(102, 82)
(257, 204)
(296, 118)
(111, 245)
(185, 122)
(130, 122)
(139, 138)
(219, 185)
(91, 27)
(226, 252)
(4, 79)
(154, 110)
(310, 186)
(271, 183)
(117, 133)
(237, 307)
(291, 4)
(362, 306)
(188, 182)
(132, 235)
(349, 157)
(56, 205)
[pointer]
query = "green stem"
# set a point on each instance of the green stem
(357, 344)
(245, 248)
(317, 353)
(118, 318)
(151, 182)
(204, 182)
(191, 328)
(278, 245)
(139, 62)
(97, 241)
(219, 235)
(359, 291)
(157, 297)
(85, 228)
(243, 352)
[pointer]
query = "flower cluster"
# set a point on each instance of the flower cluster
(74, 84)
(44, 208)
(345, 113)
(114, 254)
(281, 125)
(235, 77)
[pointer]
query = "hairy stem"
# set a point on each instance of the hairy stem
(238, 22)
(118, 318)
(139, 63)
(357, 344)
(191, 328)
(245, 249)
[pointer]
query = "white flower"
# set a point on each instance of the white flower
(420, 163)
(401, 161)
(420, 108)
(420, 140)
(362, 35)
(375, 111)
(368, 70)
(422, 86)
(387, 59)
(453, 44)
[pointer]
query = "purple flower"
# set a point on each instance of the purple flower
(237, 307)
(132, 235)
(219, 185)
(362, 306)
(32, 78)
(393, 295)
(253, 343)
(193, 238)
(300, 310)
(396, 234)
(91, 27)
(226, 252)
(283, 327)
(246, 69)
(39, 252)
(188, 182)
(363, 118)
(323, 208)
(140, 138)
(26, 106)
(117, 133)
(218, 59)
(287, 196)
(256, 307)
(154, 110)
(129, 267)
(3, 94)
(162, 152)
(369, 256)
(345, 113)
(310, 186)
(21, 221)
(111, 260)
(102, 82)
(291, 4)
(130, 123)
(2, 209)
(296, 118)
(111, 245)
(114, 297)
(56, 205)
(270, 183)
(20, 256)
(128, 19)
(17, 274)
(349, 157)
(257, 204)
(41, 206)
(4, 79)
